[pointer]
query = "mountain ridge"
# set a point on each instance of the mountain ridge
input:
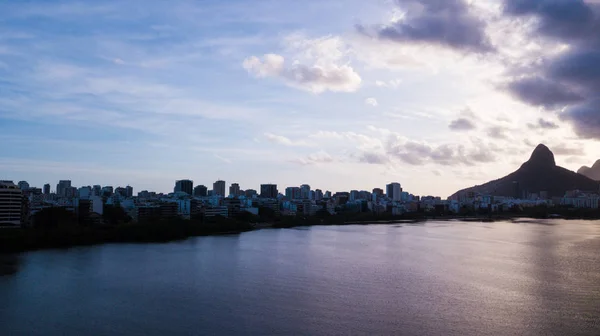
(591, 172)
(539, 173)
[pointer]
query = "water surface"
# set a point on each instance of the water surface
(439, 278)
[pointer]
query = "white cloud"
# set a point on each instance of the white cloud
(282, 140)
(317, 65)
(315, 158)
(371, 101)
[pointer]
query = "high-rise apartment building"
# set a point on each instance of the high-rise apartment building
(11, 202)
(200, 191)
(292, 193)
(97, 190)
(394, 191)
(268, 191)
(304, 191)
(186, 186)
(219, 188)
(318, 195)
(23, 185)
(62, 186)
(129, 191)
(234, 190)
(47, 189)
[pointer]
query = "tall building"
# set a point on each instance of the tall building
(107, 191)
(378, 192)
(11, 202)
(219, 188)
(318, 195)
(62, 186)
(23, 185)
(97, 190)
(304, 191)
(394, 191)
(234, 190)
(268, 191)
(128, 191)
(186, 186)
(47, 189)
(121, 192)
(353, 195)
(292, 193)
(200, 191)
(85, 192)
(250, 193)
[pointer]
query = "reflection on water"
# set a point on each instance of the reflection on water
(437, 278)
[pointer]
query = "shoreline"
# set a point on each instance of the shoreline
(29, 239)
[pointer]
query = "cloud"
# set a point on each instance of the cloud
(542, 92)
(543, 124)
(497, 132)
(392, 84)
(371, 101)
(282, 140)
(563, 149)
(315, 158)
(462, 124)
(569, 79)
(318, 65)
(448, 23)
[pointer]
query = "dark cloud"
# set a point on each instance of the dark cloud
(585, 118)
(450, 23)
(497, 132)
(462, 124)
(541, 92)
(570, 78)
(543, 124)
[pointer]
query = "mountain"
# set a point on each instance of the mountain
(540, 173)
(593, 173)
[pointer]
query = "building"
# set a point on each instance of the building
(129, 192)
(353, 195)
(107, 191)
(233, 205)
(11, 203)
(304, 191)
(222, 211)
(85, 192)
(200, 191)
(378, 192)
(268, 191)
(318, 195)
(61, 187)
(186, 186)
(97, 190)
(47, 189)
(219, 188)
(234, 190)
(394, 191)
(70, 192)
(250, 193)
(23, 185)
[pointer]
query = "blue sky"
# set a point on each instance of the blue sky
(287, 92)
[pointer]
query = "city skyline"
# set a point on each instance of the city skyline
(334, 94)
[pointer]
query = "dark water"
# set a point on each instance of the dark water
(440, 278)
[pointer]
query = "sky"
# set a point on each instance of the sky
(438, 95)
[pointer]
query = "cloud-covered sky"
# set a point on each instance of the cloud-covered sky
(340, 94)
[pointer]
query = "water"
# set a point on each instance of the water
(439, 278)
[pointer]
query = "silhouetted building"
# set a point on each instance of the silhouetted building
(378, 192)
(11, 204)
(318, 195)
(97, 190)
(47, 189)
(128, 191)
(233, 205)
(186, 186)
(107, 191)
(292, 193)
(61, 187)
(250, 193)
(200, 191)
(219, 188)
(234, 190)
(23, 185)
(394, 191)
(517, 193)
(305, 191)
(268, 191)
(121, 192)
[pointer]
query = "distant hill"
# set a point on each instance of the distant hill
(538, 174)
(593, 172)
